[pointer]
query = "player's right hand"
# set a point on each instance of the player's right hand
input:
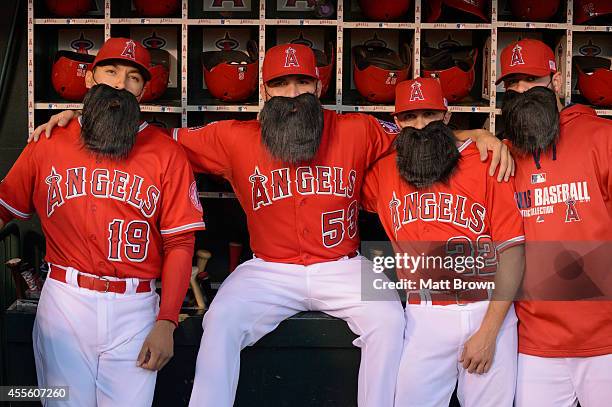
(60, 119)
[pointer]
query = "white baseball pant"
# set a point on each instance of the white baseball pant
(563, 382)
(259, 295)
(430, 368)
(89, 341)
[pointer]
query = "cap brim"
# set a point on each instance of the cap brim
(527, 71)
(281, 74)
(421, 107)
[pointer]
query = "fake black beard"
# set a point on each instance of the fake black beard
(292, 128)
(426, 156)
(531, 119)
(110, 121)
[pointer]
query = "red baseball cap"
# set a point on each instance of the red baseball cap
(528, 57)
(474, 7)
(419, 94)
(289, 59)
(125, 49)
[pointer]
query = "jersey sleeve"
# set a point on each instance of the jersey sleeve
(17, 188)
(181, 210)
(380, 136)
(369, 189)
(504, 216)
(207, 147)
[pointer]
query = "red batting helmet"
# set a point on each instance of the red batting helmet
(325, 65)
(474, 7)
(595, 79)
(454, 66)
(384, 10)
(160, 72)
(68, 74)
(584, 10)
(231, 75)
(534, 10)
(377, 70)
(157, 8)
(68, 8)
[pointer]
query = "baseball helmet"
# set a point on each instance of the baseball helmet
(160, 72)
(377, 70)
(325, 65)
(585, 10)
(595, 79)
(68, 8)
(534, 10)
(157, 8)
(453, 66)
(473, 7)
(231, 75)
(384, 10)
(68, 74)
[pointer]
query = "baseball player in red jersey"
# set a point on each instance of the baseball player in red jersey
(563, 188)
(118, 206)
(297, 172)
(434, 198)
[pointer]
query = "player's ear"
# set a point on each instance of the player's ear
(263, 93)
(397, 122)
(89, 80)
(318, 88)
(447, 117)
(556, 82)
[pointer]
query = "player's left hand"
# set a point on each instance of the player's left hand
(486, 141)
(158, 348)
(478, 351)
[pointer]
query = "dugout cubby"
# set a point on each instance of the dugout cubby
(302, 10)
(214, 38)
(354, 13)
(504, 14)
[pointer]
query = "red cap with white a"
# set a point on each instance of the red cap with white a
(419, 94)
(125, 49)
(527, 57)
(289, 59)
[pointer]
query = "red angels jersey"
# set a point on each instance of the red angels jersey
(567, 209)
(301, 214)
(471, 215)
(101, 216)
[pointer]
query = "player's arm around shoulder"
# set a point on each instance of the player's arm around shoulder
(60, 119)
(211, 147)
(501, 158)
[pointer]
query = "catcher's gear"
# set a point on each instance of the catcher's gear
(68, 74)
(595, 79)
(377, 70)
(231, 75)
(453, 66)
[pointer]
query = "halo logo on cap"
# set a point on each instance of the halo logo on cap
(129, 50)
(291, 58)
(416, 93)
(517, 56)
